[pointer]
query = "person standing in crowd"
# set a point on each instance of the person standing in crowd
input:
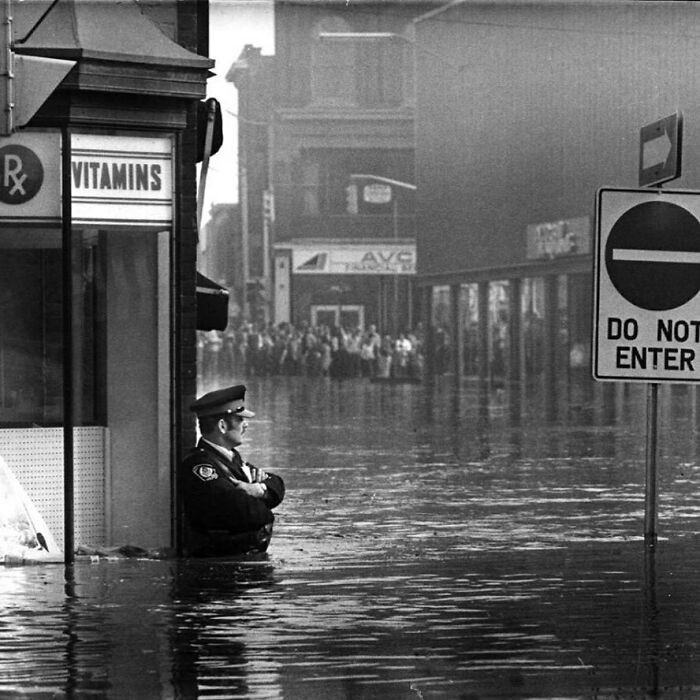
(384, 357)
(227, 502)
(367, 357)
(213, 344)
(402, 351)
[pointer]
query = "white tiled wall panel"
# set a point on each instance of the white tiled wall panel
(35, 456)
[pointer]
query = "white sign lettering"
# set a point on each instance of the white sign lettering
(355, 259)
(126, 180)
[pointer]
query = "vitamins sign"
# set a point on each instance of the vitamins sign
(646, 324)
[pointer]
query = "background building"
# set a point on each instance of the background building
(523, 112)
(253, 76)
(344, 246)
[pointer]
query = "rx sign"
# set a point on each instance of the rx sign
(21, 174)
(646, 324)
(30, 177)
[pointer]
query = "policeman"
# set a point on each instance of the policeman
(227, 502)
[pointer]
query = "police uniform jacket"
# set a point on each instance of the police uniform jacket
(213, 501)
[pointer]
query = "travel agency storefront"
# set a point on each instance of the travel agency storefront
(349, 284)
(92, 234)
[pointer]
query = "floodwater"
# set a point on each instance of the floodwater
(434, 543)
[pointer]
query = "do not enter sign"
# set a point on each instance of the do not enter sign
(647, 286)
(652, 255)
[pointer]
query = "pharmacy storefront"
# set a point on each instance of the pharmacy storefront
(86, 230)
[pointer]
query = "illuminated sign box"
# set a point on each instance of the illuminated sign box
(354, 259)
(124, 180)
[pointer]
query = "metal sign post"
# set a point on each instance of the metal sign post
(659, 161)
(650, 493)
(647, 284)
(68, 347)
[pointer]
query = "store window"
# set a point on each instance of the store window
(579, 326)
(561, 352)
(499, 333)
(31, 329)
(442, 328)
(469, 311)
(533, 331)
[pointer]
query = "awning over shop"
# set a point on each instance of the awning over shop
(212, 305)
(117, 47)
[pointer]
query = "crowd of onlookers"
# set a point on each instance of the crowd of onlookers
(249, 349)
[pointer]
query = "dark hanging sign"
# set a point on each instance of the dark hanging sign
(212, 305)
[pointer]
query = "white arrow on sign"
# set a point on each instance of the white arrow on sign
(656, 151)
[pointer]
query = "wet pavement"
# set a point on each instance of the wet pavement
(431, 545)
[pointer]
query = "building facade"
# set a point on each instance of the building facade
(522, 113)
(253, 76)
(342, 164)
(98, 231)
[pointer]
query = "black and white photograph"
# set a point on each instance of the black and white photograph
(349, 349)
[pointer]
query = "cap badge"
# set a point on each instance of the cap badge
(205, 472)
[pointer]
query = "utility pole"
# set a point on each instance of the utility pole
(7, 71)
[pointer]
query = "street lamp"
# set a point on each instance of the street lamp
(381, 178)
(395, 219)
(389, 36)
(359, 36)
(393, 183)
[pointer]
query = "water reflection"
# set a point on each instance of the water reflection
(213, 603)
(431, 545)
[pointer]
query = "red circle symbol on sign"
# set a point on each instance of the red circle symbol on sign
(651, 255)
(21, 174)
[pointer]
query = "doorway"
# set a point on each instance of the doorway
(350, 317)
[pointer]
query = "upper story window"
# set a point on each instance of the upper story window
(333, 65)
(358, 72)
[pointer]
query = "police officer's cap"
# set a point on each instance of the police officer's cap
(222, 402)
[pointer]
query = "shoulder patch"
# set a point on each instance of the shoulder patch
(205, 472)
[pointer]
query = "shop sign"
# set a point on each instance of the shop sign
(30, 182)
(125, 180)
(355, 259)
(557, 239)
(376, 193)
(647, 286)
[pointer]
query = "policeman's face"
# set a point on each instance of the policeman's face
(233, 428)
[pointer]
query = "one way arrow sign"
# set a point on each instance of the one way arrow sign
(660, 151)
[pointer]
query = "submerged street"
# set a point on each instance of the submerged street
(435, 542)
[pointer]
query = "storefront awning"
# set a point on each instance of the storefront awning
(118, 48)
(114, 31)
(212, 305)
